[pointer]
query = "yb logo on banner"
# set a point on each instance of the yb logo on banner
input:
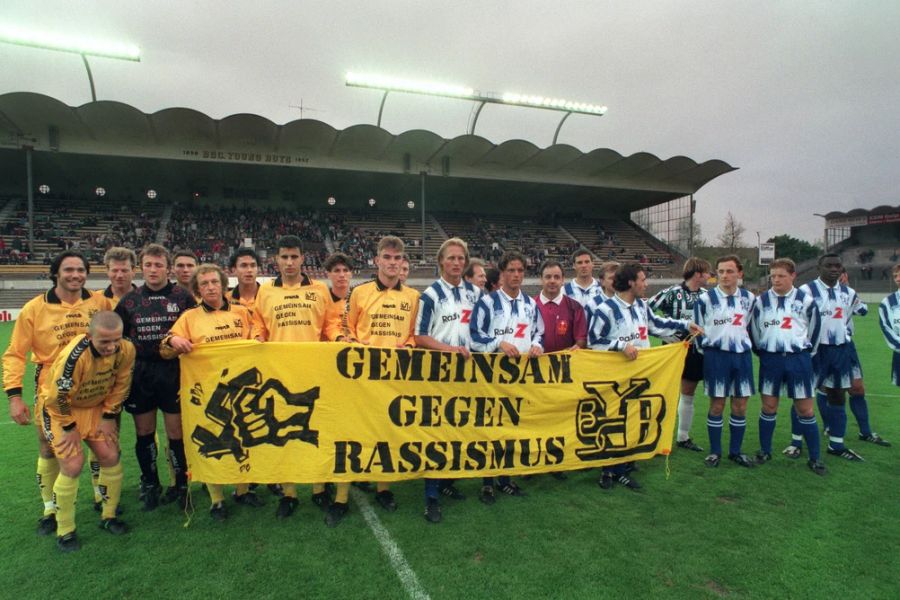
(245, 409)
(618, 422)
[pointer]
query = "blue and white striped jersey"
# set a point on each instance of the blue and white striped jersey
(499, 318)
(889, 319)
(788, 323)
(615, 324)
(445, 312)
(836, 308)
(861, 309)
(724, 320)
(580, 294)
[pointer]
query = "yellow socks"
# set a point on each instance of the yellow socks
(342, 492)
(382, 486)
(110, 486)
(47, 471)
(290, 489)
(64, 492)
(95, 475)
(216, 493)
(241, 489)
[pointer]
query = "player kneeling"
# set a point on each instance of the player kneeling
(79, 401)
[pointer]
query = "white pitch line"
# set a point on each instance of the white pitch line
(407, 576)
(883, 395)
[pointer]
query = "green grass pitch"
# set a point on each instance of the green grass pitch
(776, 531)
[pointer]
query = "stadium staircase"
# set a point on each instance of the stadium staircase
(161, 234)
(9, 210)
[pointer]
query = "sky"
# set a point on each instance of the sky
(801, 96)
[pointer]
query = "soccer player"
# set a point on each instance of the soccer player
(833, 362)
(445, 311)
(292, 308)
(889, 319)
(622, 324)
(244, 266)
(213, 321)
(507, 320)
(381, 313)
(677, 302)
(45, 326)
(147, 314)
(565, 322)
(491, 280)
(723, 313)
(584, 286)
(79, 401)
(404, 269)
(120, 264)
(858, 405)
(339, 269)
(784, 327)
(184, 263)
(475, 273)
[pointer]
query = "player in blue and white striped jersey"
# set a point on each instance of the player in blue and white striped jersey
(622, 324)
(858, 405)
(606, 289)
(583, 287)
(889, 319)
(784, 327)
(442, 323)
(723, 312)
(507, 320)
(834, 362)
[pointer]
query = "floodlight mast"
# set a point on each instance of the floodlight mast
(460, 92)
(84, 48)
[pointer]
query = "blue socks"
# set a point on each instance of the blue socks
(737, 426)
(860, 410)
(766, 430)
(714, 428)
(811, 433)
(837, 416)
(797, 432)
(822, 403)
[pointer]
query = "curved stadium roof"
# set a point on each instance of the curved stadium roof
(470, 165)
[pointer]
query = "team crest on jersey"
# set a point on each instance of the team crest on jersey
(797, 306)
(64, 384)
(172, 307)
(618, 420)
(405, 306)
(243, 408)
(745, 303)
(311, 296)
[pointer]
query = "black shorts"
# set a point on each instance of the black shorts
(154, 386)
(693, 365)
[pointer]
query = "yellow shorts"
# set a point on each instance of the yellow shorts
(87, 420)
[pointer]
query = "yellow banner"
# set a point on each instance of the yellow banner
(315, 412)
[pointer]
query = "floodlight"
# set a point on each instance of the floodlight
(151, 194)
(100, 191)
(64, 43)
(44, 189)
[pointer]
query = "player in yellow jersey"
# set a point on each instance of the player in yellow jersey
(79, 402)
(244, 266)
(184, 263)
(45, 326)
(380, 313)
(120, 264)
(339, 268)
(290, 309)
(213, 321)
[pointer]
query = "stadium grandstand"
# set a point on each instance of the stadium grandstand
(106, 174)
(869, 244)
